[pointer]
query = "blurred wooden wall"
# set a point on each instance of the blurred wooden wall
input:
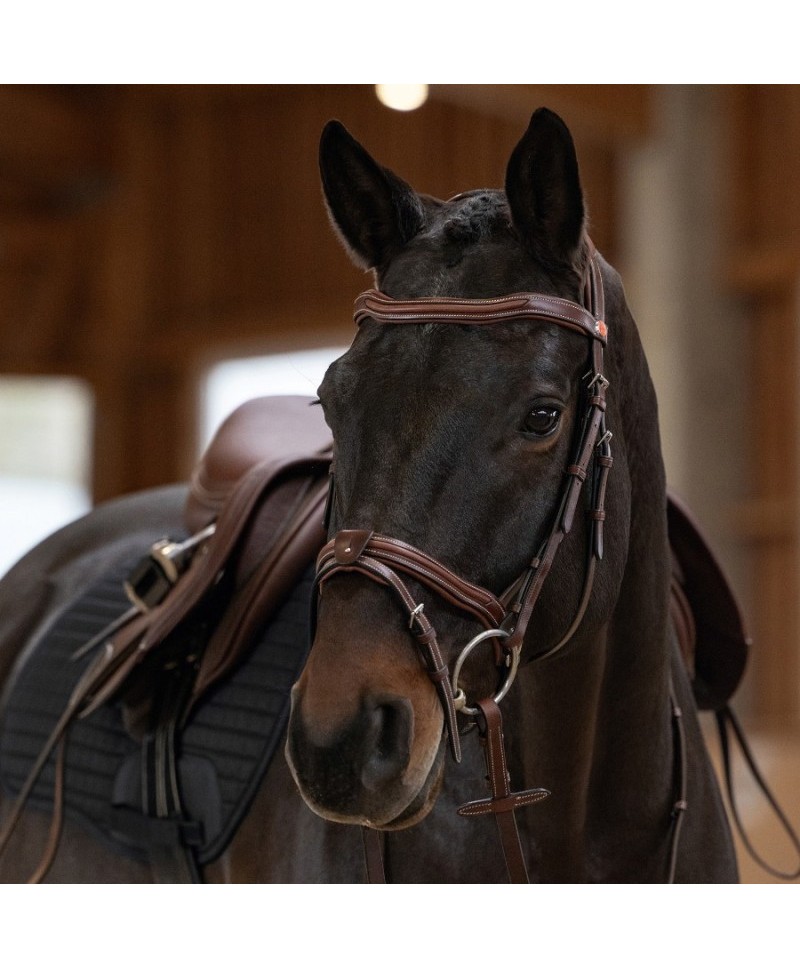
(764, 270)
(150, 230)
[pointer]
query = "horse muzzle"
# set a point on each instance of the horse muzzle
(373, 769)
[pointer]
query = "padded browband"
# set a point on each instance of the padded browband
(375, 305)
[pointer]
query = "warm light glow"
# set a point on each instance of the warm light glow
(402, 97)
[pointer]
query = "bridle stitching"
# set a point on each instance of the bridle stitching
(417, 571)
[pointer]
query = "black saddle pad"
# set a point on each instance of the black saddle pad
(226, 746)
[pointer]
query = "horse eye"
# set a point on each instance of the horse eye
(541, 422)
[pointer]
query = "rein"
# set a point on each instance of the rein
(505, 617)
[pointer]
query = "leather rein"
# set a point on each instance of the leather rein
(505, 617)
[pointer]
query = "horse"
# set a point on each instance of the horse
(493, 599)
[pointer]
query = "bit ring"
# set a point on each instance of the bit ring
(512, 663)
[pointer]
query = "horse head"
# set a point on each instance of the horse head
(451, 440)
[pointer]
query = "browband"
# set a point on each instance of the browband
(375, 305)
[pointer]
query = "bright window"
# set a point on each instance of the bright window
(236, 381)
(45, 453)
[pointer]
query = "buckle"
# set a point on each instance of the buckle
(151, 580)
(596, 378)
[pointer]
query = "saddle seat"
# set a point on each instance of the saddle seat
(258, 430)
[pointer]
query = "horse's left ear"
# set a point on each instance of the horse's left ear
(544, 191)
(375, 212)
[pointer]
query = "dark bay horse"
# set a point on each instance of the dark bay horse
(457, 437)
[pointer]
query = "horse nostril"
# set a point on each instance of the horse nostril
(388, 742)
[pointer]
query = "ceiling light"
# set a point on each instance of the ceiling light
(402, 97)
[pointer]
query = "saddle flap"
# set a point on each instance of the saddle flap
(713, 620)
(262, 429)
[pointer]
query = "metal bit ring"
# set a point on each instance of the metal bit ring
(512, 663)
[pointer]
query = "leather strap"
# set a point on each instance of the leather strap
(726, 718)
(353, 556)
(172, 859)
(502, 802)
(376, 305)
(471, 598)
(681, 804)
(373, 855)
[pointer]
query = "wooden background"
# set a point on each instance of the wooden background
(148, 231)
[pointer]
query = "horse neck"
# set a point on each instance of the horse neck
(636, 683)
(594, 725)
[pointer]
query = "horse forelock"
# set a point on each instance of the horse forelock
(476, 217)
(467, 247)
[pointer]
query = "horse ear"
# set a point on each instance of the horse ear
(544, 190)
(374, 212)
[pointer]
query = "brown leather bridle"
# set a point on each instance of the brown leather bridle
(504, 617)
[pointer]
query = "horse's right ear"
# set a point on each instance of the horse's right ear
(544, 191)
(374, 212)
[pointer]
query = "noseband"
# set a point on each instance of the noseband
(505, 618)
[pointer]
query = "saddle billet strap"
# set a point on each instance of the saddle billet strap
(167, 841)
